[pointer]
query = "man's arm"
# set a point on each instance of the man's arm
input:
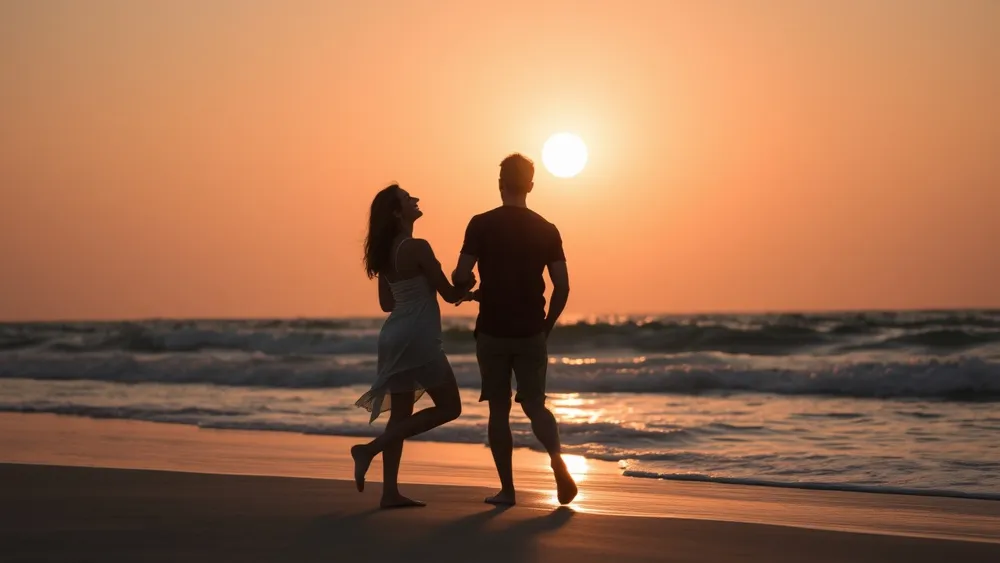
(431, 268)
(468, 255)
(463, 272)
(560, 293)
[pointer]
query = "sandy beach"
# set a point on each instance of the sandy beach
(145, 491)
(82, 514)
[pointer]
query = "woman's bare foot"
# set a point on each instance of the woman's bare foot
(566, 489)
(503, 498)
(362, 459)
(399, 501)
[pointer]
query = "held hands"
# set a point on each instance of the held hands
(469, 296)
(467, 286)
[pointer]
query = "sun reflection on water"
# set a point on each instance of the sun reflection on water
(578, 361)
(574, 410)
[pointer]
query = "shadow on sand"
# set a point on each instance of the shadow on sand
(480, 537)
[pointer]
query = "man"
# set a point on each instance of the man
(513, 245)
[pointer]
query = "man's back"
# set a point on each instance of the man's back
(512, 245)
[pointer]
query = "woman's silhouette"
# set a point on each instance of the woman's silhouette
(411, 359)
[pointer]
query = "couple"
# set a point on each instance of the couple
(512, 246)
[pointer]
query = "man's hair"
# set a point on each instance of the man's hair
(517, 173)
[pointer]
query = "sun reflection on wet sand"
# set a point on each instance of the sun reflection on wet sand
(578, 467)
(574, 506)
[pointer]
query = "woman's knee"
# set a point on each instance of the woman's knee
(452, 408)
(448, 400)
(449, 405)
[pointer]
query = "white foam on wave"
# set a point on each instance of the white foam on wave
(766, 335)
(955, 379)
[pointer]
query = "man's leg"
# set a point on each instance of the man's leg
(530, 363)
(543, 425)
(495, 370)
(502, 448)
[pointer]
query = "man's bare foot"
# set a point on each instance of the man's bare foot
(503, 498)
(565, 486)
(399, 501)
(362, 460)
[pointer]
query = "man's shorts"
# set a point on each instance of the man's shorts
(526, 358)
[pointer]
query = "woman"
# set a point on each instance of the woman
(411, 359)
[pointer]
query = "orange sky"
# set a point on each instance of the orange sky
(216, 159)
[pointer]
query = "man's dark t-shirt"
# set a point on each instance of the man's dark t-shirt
(512, 245)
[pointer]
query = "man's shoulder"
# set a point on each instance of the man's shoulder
(480, 217)
(503, 213)
(495, 212)
(544, 223)
(486, 219)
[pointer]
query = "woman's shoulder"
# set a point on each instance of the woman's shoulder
(412, 252)
(412, 244)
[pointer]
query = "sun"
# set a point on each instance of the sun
(564, 155)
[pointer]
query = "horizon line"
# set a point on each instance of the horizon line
(565, 315)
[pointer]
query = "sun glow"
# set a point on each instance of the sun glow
(564, 155)
(577, 465)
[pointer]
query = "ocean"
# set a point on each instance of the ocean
(875, 401)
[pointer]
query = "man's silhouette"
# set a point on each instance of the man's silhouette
(512, 246)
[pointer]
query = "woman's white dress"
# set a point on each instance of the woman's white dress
(411, 357)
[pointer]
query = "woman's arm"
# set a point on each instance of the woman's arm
(431, 268)
(385, 299)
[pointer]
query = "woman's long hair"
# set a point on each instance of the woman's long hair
(383, 226)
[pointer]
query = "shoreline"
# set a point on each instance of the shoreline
(38, 439)
(624, 472)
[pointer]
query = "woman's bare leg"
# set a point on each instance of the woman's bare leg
(447, 407)
(401, 408)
